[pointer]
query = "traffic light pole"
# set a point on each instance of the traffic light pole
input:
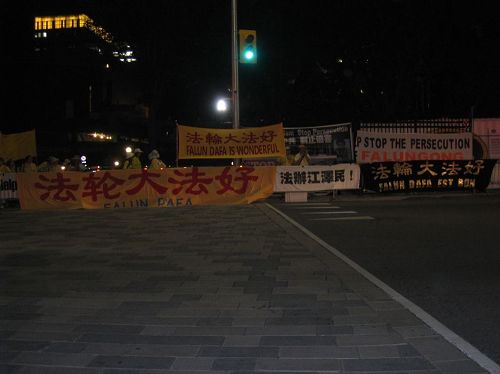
(235, 54)
(234, 90)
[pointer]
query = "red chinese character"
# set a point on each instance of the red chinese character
(193, 138)
(213, 139)
(196, 184)
(63, 190)
(104, 185)
(145, 176)
(267, 136)
(249, 138)
(231, 138)
(226, 179)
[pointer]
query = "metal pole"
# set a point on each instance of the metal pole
(234, 91)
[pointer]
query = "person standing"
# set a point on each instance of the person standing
(156, 163)
(4, 168)
(29, 165)
(302, 158)
(76, 164)
(127, 162)
(135, 161)
(54, 164)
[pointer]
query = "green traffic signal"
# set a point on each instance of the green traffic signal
(248, 46)
(249, 54)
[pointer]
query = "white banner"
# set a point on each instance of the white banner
(8, 186)
(380, 147)
(317, 178)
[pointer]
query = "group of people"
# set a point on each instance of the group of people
(133, 160)
(28, 165)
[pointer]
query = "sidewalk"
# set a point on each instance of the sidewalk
(233, 289)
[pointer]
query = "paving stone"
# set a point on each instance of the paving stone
(281, 330)
(109, 329)
(436, 349)
(152, 339)
(53, 358)
(318, 352)
(192, 363)
(66, 347)
(234, 364)
(242, 341)
(23, 345)
(297, 340)
(360, 340)
(462, 367)
(134, 362)
(387, 364)
(238, 352)
(319, 364)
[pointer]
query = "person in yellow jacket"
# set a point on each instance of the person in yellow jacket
(135, 161)
(126, 163)
(156, 163)
(29, 165)
(3, 166)
(288, 159)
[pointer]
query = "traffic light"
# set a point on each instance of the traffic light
(248, 46)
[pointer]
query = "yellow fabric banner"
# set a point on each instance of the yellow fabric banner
(17, 146)
(145, 188)
(255, 142)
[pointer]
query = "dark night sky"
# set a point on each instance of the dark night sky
(411, 59)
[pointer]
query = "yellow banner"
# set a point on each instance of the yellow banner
(143, 188)
(17, 146)
(255, 142)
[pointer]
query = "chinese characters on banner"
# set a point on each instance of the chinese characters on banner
(317, 178)
(381, 147)
(255, 142)
(408, 176)
(145, 188)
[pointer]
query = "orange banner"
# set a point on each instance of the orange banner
(197, 142)
(145, 188)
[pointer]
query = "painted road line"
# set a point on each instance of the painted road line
(304, 204)
(468, 349)
(315, 207)
(334, 212)
(355, 218)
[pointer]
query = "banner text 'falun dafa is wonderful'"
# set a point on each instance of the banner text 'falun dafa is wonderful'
(255, 142)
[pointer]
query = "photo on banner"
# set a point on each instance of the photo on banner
(326, 145)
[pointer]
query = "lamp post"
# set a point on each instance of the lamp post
(234, 54)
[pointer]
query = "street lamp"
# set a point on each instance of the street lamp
(221, 105)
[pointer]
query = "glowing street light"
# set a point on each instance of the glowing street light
(221, 105)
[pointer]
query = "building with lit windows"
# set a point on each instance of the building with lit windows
(84, 85)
